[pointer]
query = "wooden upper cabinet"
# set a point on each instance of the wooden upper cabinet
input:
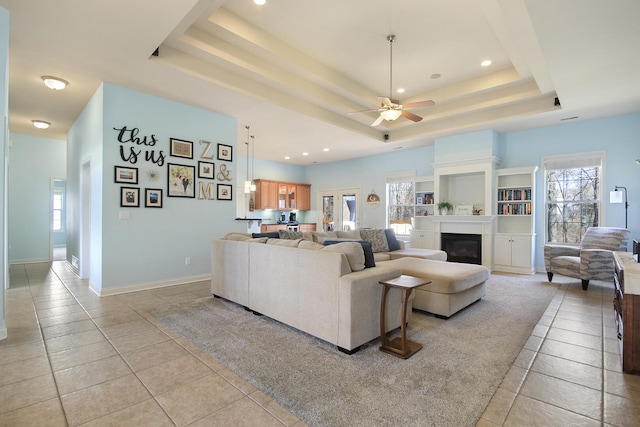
(303, 194)
(282, 195)
(266, 194)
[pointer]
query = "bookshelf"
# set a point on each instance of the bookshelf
(424, 209)
(514, 240)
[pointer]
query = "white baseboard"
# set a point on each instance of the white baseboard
(148, 285)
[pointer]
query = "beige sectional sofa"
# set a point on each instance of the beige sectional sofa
(314, 290)
(326, 291)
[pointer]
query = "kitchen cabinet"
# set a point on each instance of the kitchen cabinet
(266, 228)
(303, 193)
(266, 194)
(282, 195)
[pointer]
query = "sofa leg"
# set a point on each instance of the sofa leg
(349, 352)
(585, 284)
(549, 276)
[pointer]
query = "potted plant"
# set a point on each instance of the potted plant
(444, 207)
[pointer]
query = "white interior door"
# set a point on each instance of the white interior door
(340, 209)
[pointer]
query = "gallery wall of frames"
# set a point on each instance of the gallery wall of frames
(208, 176)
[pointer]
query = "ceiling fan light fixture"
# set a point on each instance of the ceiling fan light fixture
(54, 83)
(390, 115)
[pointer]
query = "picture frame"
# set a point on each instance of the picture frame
(181, 180)
(181, 148)
(152, 197)
(419, 200)
(129, 197)
(225, 192)
(225, 152)
(206, 170)
(125, 175)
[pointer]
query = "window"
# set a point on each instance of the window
(57, 211)
(400, 203)
(573, 196)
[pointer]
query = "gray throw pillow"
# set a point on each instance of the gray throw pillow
(377, 237)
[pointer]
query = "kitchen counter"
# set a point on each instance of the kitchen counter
(302, 226)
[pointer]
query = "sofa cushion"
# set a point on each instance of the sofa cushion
(377, 237)
(269, 234)
(369, 260)
(321, 236)
(308, 244)
(353, 251)
(291, 235)
(293, 243)
(258, 240)
(351, 234)
(237, 236)
(392, 241)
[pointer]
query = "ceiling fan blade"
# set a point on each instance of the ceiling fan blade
(377, 122)
(385, 101)
(411, 116)
(418, 104)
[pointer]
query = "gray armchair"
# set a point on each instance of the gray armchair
(593, 259)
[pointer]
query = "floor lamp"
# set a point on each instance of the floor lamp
(617, 197)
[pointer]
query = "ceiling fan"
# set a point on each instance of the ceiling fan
(391, 109)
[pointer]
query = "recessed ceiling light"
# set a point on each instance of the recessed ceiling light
(325, 149)
(305, 154)
(287, 157)
(400, 90)
(54, 83)
(41, 124)
(486, 63)
(259, 2)
(436, 76)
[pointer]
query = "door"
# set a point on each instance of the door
(340, 209)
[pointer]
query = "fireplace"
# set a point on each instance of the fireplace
(460, 247)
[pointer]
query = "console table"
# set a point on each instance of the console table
(626, 305)
(399, 346)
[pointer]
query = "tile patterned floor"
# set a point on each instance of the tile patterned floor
(72, 358)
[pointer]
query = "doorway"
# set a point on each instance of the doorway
(340, 209)
(58, 232)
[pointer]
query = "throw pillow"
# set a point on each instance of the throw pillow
(351, 234)
(307, 244)
(369, 260)
(284, 242)
(237, 237)
(391, 239)
(291, 235)
(258, 240)
(377, 237)
(321, 236)
(269, 234)
(353, 251)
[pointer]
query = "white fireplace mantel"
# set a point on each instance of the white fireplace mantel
(467, 224)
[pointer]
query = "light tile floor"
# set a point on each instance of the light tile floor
(73, 358)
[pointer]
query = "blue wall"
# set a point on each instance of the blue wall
(34, 163)
(150, 247)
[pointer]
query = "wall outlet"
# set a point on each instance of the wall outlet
(187, 261)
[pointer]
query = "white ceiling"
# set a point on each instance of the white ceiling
(293, 69)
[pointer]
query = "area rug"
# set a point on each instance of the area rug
(447, 383)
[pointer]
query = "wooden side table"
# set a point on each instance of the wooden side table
(399, 346)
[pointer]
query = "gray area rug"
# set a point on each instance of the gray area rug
(447, 383)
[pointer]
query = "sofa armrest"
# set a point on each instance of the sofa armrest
(596, 264)
(552, 251)
(359, 298)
